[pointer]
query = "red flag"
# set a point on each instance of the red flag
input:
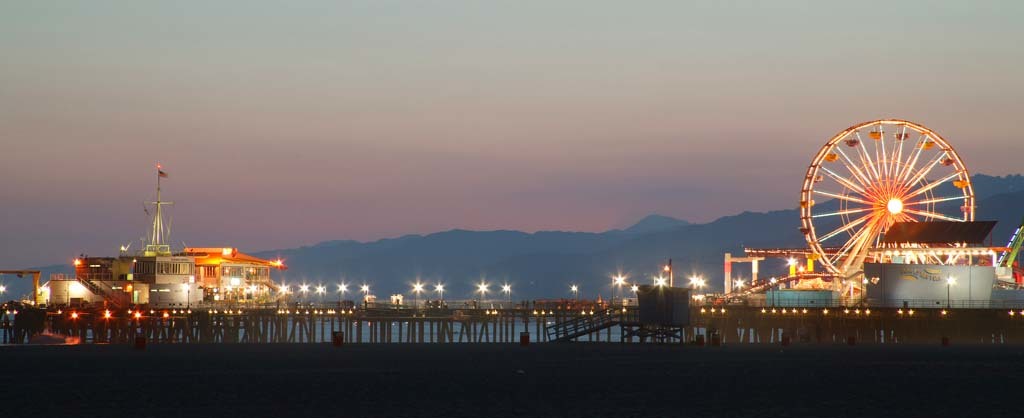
(161, 173)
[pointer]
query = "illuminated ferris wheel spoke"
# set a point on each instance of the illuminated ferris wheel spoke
(907, 218)
(867, 157)
(855, 245)
(861, 155)
(897, 159)
(846, 247)
(935, 200)
(912, 162)
(841, 212)
(843, 197)
(924, 171)
(932, 215)
(846, 227)
(882, 166)
(850, 243)
(850, 165)
(933, 185)
(846, 182)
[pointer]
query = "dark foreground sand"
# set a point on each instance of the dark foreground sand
(556, 380)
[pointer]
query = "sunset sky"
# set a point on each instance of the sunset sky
(284, 125)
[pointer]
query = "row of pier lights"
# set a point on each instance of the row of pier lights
(482, 288)
(139, 314)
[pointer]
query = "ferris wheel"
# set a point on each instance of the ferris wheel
(872, 175)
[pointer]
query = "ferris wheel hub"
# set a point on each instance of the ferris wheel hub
(895, 206)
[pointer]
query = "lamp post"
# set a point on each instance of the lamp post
(439, 288)
(950, 281)
(304, 289)
(417, 288)
(482, 290)
(507, 289)
(618, 281)
(321, 290)
(184, 287)
(773, 281)
(660, 281)
(365, 288)
(693, 282)
(342, 288)
(696, 284)
(791, 263)
(575, 292)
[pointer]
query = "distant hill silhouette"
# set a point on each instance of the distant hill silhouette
(544, 264)
(655, 222)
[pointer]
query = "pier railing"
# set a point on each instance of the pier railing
(880, 303)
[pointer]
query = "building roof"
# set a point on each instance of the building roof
(939, 232)
(218, 255)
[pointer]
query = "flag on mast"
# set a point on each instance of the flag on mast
(160, 171)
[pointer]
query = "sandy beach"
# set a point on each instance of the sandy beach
(560, 380)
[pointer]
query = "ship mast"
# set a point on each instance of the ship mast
(160, 233)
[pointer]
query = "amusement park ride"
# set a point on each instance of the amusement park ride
(868, 181)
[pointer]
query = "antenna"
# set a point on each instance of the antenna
(159, 233)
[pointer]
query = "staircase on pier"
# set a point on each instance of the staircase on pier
(114, 299)
(583, 325)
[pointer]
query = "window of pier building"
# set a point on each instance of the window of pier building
(207, 271)
(255, 273)
(173, 268)
(144, 267)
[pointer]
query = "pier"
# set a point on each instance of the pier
(709, 325)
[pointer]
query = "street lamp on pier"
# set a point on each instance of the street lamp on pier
(365, 288)
(950, 281)
(619, 281)
(482, 290)
(342, 288)
(417, 288)
(575, 292)
(439, 288)
(321, 290)
(507, 290)
(184, 287)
